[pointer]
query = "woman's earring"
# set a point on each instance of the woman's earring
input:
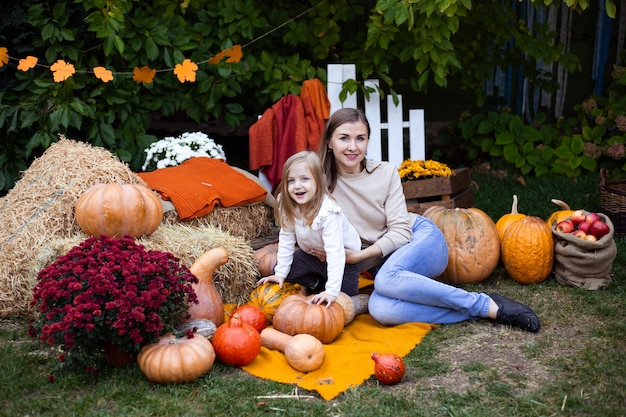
(329, 149)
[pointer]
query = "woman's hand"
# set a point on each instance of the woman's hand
(319, 254)
(272, 278)
(323, 297)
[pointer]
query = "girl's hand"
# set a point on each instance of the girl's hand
(272, 278)
(323, 297)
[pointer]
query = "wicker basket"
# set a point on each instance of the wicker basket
(613, 201)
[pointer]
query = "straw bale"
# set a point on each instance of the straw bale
(40, 207)
(250, 222)
(234, 280)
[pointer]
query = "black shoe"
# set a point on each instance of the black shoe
(515, 314)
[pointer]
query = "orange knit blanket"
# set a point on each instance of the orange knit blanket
(199, 184)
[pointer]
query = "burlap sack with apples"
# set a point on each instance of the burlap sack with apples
(583, 263)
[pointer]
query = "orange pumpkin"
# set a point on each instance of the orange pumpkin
(297, 315)
(174, 360)
(504, 221)
(210, 305)
(265, 259)
(528, 250)
(303, 352)
(116, 210)
(559, 215)
(268, 297)
(473, 243)
(236, 342)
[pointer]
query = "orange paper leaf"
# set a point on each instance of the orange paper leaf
(4, 56)
(27, 63)
(234, 54)
(186, 71)
(62, 70)
(103, 74)
(143, 75)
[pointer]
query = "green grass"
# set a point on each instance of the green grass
(573, 367)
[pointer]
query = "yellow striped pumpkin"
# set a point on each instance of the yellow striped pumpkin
(268, 297)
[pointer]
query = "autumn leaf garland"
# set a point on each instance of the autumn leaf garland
(62, 70)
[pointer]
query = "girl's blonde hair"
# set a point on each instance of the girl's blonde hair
(286, 210)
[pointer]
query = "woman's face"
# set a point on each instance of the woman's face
(349, 145)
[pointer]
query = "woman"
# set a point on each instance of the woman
(402, 250)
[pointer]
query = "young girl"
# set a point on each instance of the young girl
(309, 217)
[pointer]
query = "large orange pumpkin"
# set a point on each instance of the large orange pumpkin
(236, 342)
(265, 259)
(297, 314)
(174, 360)
(268, 297)
(473, 243)
(116, 210)
(528, 250)
(504, 221)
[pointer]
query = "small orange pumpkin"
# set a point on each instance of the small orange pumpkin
(528, 250)
(174, 360)
(265, 259)
(236, 342)
(504, 221)
(210, 305)
(303, 352)
(116, 210)
(297, 314)
(473, 243)
(560, 215)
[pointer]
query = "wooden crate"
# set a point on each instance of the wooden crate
(448, 192)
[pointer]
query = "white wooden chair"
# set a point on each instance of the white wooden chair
(389, 132)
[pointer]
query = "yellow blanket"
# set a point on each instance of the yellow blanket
(347, 360)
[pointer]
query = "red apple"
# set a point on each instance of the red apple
(578, 216)
(579, 233)
(592, 217)
(565, 226)
(599, 229)
(584, 226)
(591, 238)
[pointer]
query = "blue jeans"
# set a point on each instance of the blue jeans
(404, 292)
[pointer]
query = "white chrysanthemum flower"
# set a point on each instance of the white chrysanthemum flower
(172, 151)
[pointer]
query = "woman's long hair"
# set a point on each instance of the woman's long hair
(286, 210)
(326, 156)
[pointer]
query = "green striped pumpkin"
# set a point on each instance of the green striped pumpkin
(268, 297)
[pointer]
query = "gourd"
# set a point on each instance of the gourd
(116, 210)
(528, 250)
(559, 215)
(209, 304)
(268, 297)
(504, 221)
(252, 315)
(175, 360)
(352, 306)
(297, 314)
(303, 352)
(202, 327)
(389, 368)
(473, 243)
(236, 342)
(265, 259)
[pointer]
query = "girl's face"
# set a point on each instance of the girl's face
(349, 145)
(301, 186)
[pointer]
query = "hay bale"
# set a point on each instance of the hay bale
(250, 222)
(234, 280)
(40, 208)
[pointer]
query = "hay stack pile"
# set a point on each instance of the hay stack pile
(38, 213)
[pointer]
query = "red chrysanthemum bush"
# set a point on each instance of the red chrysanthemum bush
(109, 291)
